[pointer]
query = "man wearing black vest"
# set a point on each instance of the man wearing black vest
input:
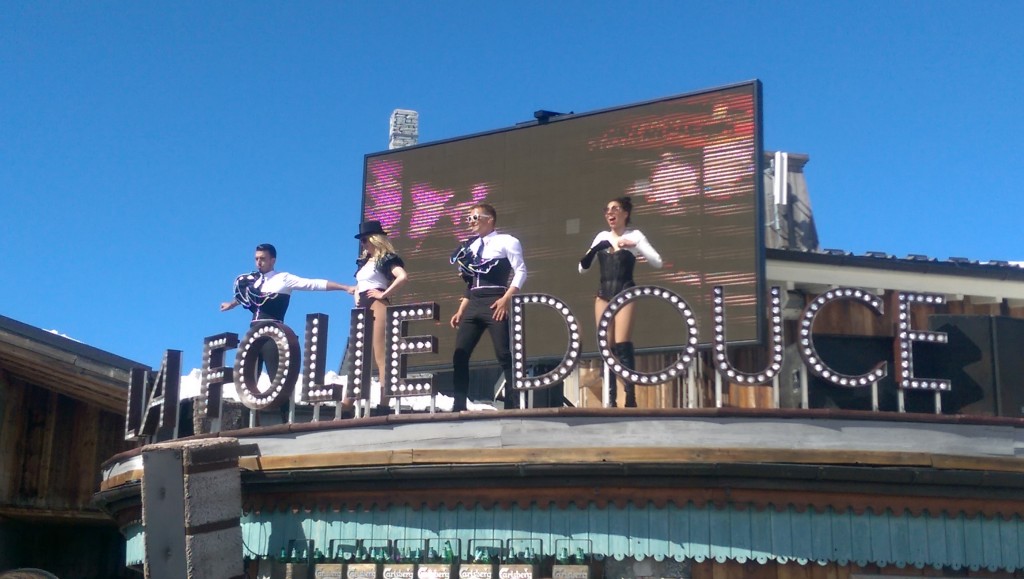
(492, 265)
(266, 293)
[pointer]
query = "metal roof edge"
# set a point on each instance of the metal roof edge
(67, 345)
(987, 270)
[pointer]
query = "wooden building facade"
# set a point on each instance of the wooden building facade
(62, 407)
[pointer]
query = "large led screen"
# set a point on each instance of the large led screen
(690, 164)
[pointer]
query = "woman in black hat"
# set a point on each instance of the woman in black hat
(381, 272)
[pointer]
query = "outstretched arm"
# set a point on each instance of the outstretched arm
(333, 286)
(301, 283)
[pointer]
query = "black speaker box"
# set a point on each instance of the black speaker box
(983, 358)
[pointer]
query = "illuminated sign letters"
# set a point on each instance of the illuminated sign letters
(152, 400)
(397, 346)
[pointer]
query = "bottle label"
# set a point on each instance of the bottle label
(570, 572)
(434, 572)
(515, 572)
(476, 571)
(401, 571)
(362, 571)
(328, 571)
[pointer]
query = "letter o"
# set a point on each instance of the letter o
(246, 361)
(669, 372)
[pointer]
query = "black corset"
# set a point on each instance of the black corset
(616, 271)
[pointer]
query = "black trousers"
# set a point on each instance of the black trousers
(477, 319)
(268, 358)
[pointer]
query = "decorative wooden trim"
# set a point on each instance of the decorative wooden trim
(121, 479)
(606, 456)
(602, 492)
(629, 455)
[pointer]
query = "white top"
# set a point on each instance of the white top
(642, 247)
(368, 277)
(282, 282)
(498, 245)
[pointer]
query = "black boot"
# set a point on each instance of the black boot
(511, 399)
(624, 352)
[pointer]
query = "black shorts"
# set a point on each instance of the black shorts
(610, 289)
(366, 301)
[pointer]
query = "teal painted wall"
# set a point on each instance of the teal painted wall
(690, 532)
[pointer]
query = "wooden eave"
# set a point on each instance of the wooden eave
(55, 515)
(815, 272)
(76, 370)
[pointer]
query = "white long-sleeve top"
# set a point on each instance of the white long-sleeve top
(642, 247)
(282, 282)
(501, 245)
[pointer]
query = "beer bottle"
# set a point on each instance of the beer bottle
(485, 556)
(319, 556)
(563, 556)
(361, 555)
(581, 557)
(449, 556)
(531, 557)
(283, 555)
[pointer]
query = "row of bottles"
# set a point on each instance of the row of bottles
(305, 552)
(429, 559)
(578, 558)
(572, 566)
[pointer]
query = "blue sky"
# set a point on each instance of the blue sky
(147, 147)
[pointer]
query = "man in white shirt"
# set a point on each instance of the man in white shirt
(492, 265)
(267, 292)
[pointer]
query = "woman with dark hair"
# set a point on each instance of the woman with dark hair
(381, 272)
(616, 250)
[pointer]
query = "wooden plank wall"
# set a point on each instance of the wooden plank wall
(51, 447)
(667, 395)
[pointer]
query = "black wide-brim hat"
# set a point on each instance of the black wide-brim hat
(370, 228)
